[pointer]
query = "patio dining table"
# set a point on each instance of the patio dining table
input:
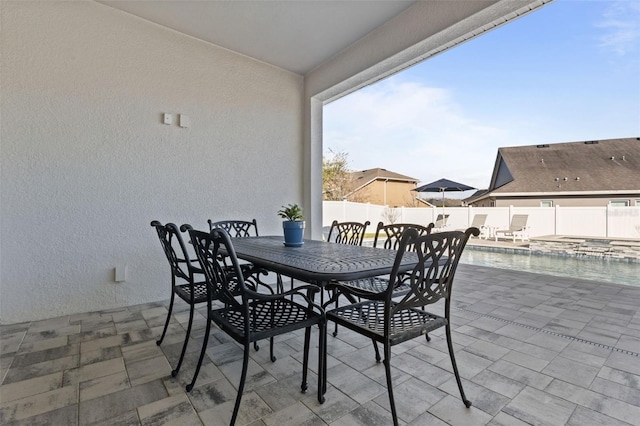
(319, 262)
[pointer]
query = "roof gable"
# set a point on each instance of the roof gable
(363, 176)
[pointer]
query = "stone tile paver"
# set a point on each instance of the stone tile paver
(531, 348)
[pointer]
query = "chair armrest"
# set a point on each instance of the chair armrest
(351, 292)
(297, 291)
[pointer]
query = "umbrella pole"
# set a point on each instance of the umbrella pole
(444, 217)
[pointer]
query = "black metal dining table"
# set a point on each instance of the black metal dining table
(319, 262)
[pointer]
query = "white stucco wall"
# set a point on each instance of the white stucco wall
(86, 163)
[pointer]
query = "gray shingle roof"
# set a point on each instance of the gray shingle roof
(608, 165)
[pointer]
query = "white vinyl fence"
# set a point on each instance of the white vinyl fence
(610, 222)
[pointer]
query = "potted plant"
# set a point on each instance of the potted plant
(293, 224)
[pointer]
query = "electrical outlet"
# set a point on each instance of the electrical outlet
(166, 118)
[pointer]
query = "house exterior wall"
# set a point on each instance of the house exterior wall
(386, 193)
(87, 163)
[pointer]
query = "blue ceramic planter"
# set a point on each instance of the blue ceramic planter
(293, 232)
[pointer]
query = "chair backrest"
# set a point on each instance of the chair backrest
(518, 221)
(347, 232)
(478, 220)
(174, 248)
(389, 236)
(432, 278)
(211, 248)
(236, 228)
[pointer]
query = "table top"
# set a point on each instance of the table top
(319, 261)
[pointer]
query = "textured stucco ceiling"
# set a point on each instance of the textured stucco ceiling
(294, 35)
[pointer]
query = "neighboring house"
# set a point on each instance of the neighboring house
(380, 186)
(589, 173)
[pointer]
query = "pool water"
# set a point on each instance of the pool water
(563, 266)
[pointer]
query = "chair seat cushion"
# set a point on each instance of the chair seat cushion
(367, 318)
(268, 318)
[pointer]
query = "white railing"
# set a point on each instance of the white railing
(609, 222)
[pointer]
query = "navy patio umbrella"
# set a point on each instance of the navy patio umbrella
(443, 185)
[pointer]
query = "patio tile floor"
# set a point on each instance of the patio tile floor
(532, 349)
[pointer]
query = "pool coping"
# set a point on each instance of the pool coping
(625, 250)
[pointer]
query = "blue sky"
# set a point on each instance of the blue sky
(568, 72)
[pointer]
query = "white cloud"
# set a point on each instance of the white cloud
(409, 128)
(621, 27)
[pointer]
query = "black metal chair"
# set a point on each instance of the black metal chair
(347, 232)
(388, 237)
(253, 316)
(241, 229)
(236, 228)
(183, 283)
(390, 321)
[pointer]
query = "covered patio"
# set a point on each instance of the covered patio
(88, 161)
(532, 349)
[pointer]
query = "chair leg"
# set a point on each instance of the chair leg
(202, 351)
(375, 347)
(174, 373)
(255, 342)
(271, 354)
(166, 323)
(322, 361)
(305, 359)
(387, 368)
(352, 300)
(335, 330)
(455, 366)
(243, 378)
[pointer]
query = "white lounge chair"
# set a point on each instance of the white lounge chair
(441, 223)
(517, 229)
(479, 221)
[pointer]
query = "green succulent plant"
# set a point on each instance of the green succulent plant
(291, 212)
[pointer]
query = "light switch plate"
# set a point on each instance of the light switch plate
(166, 118)
(184, 121)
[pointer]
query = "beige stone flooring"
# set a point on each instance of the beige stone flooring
(532, 349)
